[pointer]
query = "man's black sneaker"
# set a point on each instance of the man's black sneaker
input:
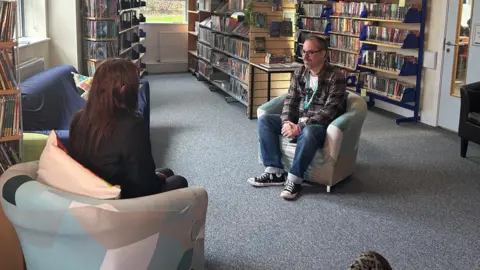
(268, 179)
(291, 190)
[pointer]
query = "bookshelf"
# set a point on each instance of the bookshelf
(377, 44)
(221, 42)
(113, 29)
(10, 97)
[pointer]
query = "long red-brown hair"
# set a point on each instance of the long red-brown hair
(114, 91)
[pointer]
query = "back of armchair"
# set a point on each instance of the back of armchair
(470, 103)
(50, 99)
(58, 230)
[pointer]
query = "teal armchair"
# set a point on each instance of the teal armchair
(59, 230)
(337, 159)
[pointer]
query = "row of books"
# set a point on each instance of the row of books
(238, 89)
(7, 73)
(100, 29)
(8, 156)
(350, 9)
(312, 24)
(386, 60)
(373, 10)
(344, 59)
(345, 43)
(100, 50)
(388, 35)
(389, 11)
(313, 10)
(348, 26)
(224, 24)
(204, 68)
(205, 35)
(231, 45)
(204, 51)
(8, 11)
(230, 65)
(10, 115)
(100, 8)
(391, 88)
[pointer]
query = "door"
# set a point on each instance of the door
(455, 60)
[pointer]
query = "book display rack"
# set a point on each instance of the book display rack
(10, 98)
(377, 44)
(225, 38)
(219, 47)
(112, 29)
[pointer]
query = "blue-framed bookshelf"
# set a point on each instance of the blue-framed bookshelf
(352, 45)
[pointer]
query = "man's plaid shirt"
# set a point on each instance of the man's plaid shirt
(327, 104)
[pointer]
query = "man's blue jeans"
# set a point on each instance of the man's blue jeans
(310, 139)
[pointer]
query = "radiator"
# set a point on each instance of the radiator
(30, 67)
(173, 47)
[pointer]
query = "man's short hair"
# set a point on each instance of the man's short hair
(322, 43)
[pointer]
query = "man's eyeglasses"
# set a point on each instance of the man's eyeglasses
(309, 53)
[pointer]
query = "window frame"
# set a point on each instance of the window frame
(21, 21)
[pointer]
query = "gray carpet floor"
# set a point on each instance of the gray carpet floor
(412, 198)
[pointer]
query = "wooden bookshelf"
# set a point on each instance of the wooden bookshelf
(211, 43)
(275, 45)
(10, 98)
(113, 30)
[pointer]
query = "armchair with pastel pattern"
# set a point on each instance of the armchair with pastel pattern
(59, 230)
(337, 159)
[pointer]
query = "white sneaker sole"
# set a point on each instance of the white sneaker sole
(288, 195)
(252, 182)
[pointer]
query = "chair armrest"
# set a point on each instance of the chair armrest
(274, 106)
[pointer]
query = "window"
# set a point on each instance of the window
(166, 11)
(32, 18)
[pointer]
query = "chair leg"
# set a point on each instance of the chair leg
(464, 146)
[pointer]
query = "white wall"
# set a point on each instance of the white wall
(435, 33)
(64, 29)
(166, 47)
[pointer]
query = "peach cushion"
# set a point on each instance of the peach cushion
(58, 170)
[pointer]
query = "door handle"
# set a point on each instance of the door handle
(451, 44)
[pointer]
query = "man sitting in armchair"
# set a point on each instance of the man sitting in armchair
(315, 98)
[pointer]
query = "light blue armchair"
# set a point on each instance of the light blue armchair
(337, 159)
(58, 230)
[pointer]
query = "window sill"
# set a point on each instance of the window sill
(24, 42)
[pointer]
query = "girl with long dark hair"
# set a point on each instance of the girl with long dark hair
(108, 138)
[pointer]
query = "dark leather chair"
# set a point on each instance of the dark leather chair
(469, 126)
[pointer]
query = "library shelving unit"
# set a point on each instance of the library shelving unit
(378, 45)
(221, 48)
(112, 29)
(10, 98)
